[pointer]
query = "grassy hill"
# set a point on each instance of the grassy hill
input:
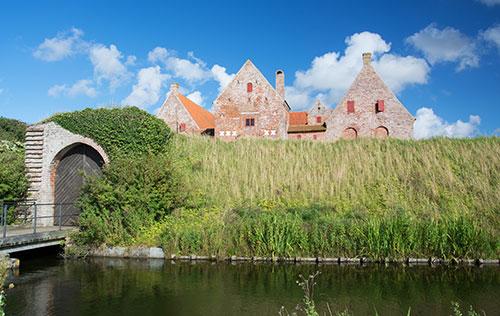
(369, 175)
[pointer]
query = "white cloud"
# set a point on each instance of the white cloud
(108, 65)
(446, 45)
(61, 46)
(490, 3)
(158, 54)
(196, 97)
(298, 98)
(81, 87)
(147, 90)
(220, 74)
(428, 125)
(331, 74)
(192, 70)
(492, 35)
(131, 59)
(398, 71)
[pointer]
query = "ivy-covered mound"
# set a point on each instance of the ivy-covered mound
(141, 185)
(120, 131)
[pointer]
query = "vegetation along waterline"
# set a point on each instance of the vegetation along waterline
(373, 198)
(298, 198)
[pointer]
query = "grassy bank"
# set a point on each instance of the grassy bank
(298, 198)
(425, 178)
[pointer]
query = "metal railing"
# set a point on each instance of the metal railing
(29, 217)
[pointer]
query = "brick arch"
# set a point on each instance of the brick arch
(350, 133)
(381, 132)
(46, 145)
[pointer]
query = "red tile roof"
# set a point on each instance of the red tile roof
(202, 117)
(297, 118)
(306, 128)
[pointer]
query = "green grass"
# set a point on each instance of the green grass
(425, 178)
(367, 197)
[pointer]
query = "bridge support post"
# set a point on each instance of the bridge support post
(34, 218)
(60, 217)
(4, 219)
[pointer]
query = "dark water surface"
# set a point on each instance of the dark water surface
(50, 286)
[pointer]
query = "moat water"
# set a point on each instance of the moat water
(51, 286)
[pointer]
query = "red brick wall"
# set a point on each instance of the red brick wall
(235, 104)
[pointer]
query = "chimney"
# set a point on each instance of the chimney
(367, 58)
(174, 88)
(280, 83)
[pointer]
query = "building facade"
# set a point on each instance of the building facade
(369, 109)
(184, 116)
(249, 106)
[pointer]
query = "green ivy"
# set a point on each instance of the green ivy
(120, 131)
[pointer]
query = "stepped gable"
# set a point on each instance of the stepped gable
(369, 109)
(318, 113)
(185, 116)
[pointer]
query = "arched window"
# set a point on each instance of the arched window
(381, 132)
(350, 133)
(182, 127)
(249, 87)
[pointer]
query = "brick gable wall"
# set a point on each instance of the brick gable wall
(235, 104)
(174, 114)
(366, 89)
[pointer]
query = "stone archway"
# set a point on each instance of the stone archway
(350, 133)
(381, 132)
(49, 150)
(74, 164)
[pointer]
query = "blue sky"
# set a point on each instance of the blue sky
(442, 57)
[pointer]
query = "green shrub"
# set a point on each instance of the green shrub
(12, 130)
(120, 131)
(133, 193)
(13, 181)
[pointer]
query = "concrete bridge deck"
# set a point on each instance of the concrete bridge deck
(21, 238)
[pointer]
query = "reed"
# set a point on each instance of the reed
(289, 233)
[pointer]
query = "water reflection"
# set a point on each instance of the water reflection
(157, 287)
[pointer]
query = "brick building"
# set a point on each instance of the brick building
(249, 106)
(369, 109)
(184, 116)
(309, 125)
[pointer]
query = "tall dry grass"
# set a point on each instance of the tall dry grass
(424, 178)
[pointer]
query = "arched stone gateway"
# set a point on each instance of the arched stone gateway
(56, 161)
(381, 132)
(350, 133)
(75, 163)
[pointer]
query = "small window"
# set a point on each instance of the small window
(250, 122)
(182, 127)
(350, 106)
(318, 119)
(299, 136)
(315, 137)
(379, 106)
(249, 87)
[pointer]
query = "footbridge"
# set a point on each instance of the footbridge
(23, 228)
